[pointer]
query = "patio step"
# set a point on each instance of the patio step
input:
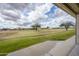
(62, 48)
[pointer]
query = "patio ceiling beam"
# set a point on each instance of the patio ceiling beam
(69, 8)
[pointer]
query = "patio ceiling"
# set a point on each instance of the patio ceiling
(71, 8)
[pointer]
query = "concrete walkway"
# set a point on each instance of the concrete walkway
(35, 50)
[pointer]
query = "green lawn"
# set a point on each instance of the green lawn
(29, 37)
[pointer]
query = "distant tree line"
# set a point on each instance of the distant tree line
(37, 26)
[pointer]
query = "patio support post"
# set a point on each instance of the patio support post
(77, 29)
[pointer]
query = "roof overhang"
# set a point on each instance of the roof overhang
(71, 8)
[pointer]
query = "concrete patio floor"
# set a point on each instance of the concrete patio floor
(63, 48)
(75, 51)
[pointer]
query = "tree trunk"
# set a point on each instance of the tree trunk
(36, 29)
(66, 27)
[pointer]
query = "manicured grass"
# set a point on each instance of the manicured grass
(13, 44)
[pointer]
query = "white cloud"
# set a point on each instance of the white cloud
(58, 20)
(10, 14)
(39, 12)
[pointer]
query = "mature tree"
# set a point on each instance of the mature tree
(47, 27)
(67, 24)
(36, 26)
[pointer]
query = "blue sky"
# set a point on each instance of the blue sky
(13, 15)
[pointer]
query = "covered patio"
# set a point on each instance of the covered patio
(73, 10)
